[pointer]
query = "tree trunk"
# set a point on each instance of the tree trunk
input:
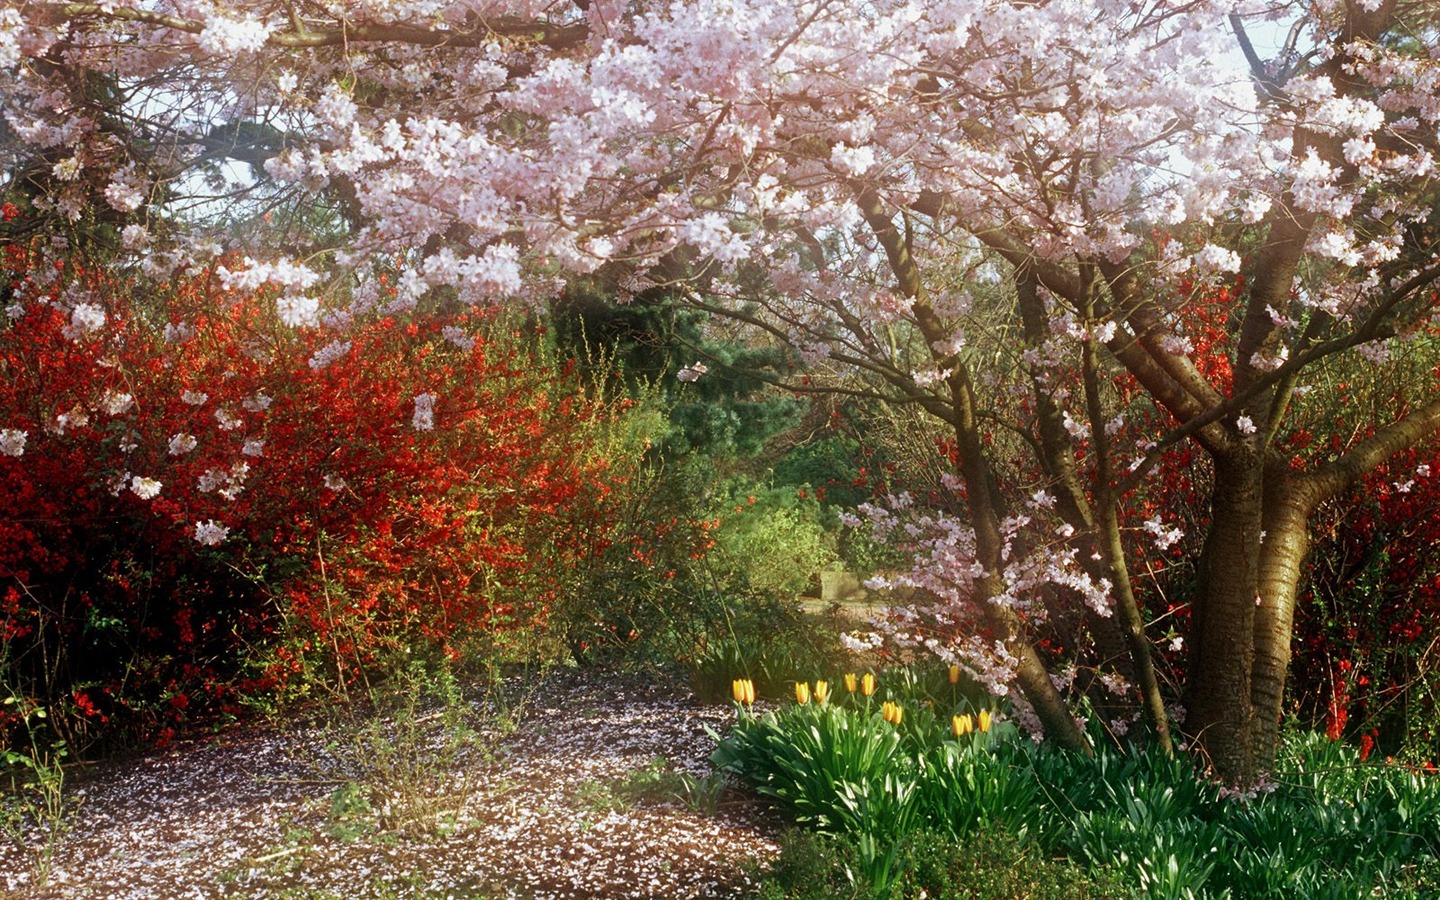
(1282, 554)
(1220, 715)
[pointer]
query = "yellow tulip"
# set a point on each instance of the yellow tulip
(961, 725)
(802, 693)
(867, 684)
(743, 690)
(893, 713)
(822, 691)
(954, 674)
(850, 682)
(984, 720)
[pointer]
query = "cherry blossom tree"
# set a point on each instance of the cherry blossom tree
(841, 174)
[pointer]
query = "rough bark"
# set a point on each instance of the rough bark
(1244, 616)
(1220, 714)
(1288, 505)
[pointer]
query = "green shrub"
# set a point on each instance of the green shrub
(644, 596)
(992, 864)
(833, 465)
(33, 799)
(1333, 826)
(811, 867)
(989, 865)
(770, 538)
(394, 752)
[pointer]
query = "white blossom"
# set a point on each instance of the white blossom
(1177, 344)
(144, 488)
(210, 532)
(692, 372)
(227, 420)
(852, 160)
(1212, 258)
(1374, 352)
(328, 354)
(126, 190)
(1165, 538)
(258, 403)
(85, 319)
(298, 311)
(68, 169)
(227, 37)
(178, 332)
(77, 417)
(457, 337)
(113, 403)
(12, 441)
(134, 237)
(424, 417)
(1269, 362)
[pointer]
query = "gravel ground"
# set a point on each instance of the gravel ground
(255, 813)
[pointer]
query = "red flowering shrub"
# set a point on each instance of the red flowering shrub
(201, 501)
(1367, 662)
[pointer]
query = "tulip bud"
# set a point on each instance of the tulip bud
(961, 725)
(867, 684)
(954, 674)
(822, 691)
(850, 682)
(743, 690)
(802, 693)
(984, 720)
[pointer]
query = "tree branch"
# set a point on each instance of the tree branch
(1339, 474)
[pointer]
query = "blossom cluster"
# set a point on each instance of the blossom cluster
(949, 591)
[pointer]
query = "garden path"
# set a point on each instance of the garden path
(243, 814)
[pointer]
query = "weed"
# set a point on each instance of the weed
(35, 811)
(395, 753)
